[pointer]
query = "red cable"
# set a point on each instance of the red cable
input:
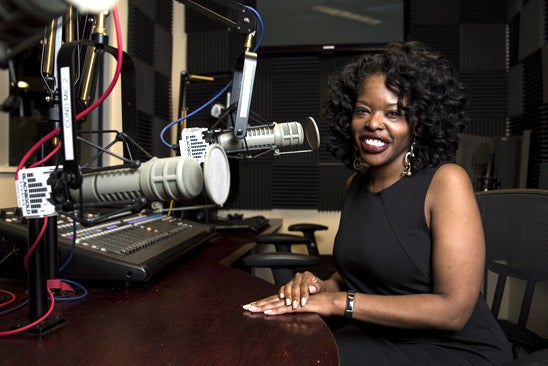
(10, 300)
(36, 242)
(36, 322)
(80, 115)
(47, 157)
(52, 303)
(29, 153)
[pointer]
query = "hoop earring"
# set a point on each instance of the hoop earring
(358, 163)
(407, 161)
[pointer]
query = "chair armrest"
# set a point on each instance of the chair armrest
(286, 260)
(308, 231)
(282, 242)
(306, 227)
(283, 265)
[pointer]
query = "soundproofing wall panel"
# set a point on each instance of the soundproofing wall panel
(332, 180)
(515, 90)
(528, 41)
(150, 48)
(440, 38)
(295, 86)
(488, 94)
(544, 62)
(255, 193)
(295, 186)
(485, 53)
(532, 80)
(207, 52)
(513, 40)
(482, 11)
(294, 97)
(535, 120)
(533, 18)
(261, 103)
(434, 12)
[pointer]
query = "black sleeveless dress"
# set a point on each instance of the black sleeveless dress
(383, 246)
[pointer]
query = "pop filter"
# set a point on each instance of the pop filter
(216, 174)
(311, 133)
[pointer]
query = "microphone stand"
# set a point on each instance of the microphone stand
(42, 266)
(72, 173)
(43, 260)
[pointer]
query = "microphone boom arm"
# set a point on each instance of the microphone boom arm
(244, 73)
(246, 22)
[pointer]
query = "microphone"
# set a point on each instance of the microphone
(42, 191)
(24, 21)
(276, 137)
(160, 179)
(89, 77)
(157, 180)
(48, 59)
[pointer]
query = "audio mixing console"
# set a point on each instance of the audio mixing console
(131, 248)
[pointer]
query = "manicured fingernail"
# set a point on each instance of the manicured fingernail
(288, 301)
(281, 295)
(268, 312)
(252, 308)
(246, 306)
(303, 301)
(295, 304)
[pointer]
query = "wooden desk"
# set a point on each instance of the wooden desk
(189, 316)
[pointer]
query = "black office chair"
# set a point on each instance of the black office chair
(284, 263)
(309, 232)
(515, 222)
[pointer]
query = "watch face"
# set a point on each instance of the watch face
(349, 310)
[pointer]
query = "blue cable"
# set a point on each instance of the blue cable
(221, 92)
(73, 247)
(261, 26)
(24, 303)
(73, 298)
(59, 299)
(67, 262)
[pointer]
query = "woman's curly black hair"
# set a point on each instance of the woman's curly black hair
(434, 101)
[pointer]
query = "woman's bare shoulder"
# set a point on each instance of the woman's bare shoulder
(450, 183)
(451, 175)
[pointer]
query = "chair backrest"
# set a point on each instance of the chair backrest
(515, 222)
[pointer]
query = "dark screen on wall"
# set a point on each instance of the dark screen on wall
(331, 22)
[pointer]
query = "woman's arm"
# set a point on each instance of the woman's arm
(457, 263)
(458, 258)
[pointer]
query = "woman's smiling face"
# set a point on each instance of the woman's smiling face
(381, 131)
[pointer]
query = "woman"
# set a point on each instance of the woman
(410, 247)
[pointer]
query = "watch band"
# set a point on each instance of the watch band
(349, 310)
